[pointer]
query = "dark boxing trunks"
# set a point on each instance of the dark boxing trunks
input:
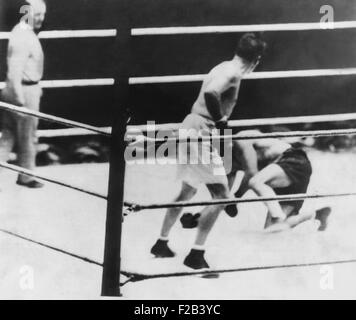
(296, 165)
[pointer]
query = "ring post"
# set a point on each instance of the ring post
(112, 250)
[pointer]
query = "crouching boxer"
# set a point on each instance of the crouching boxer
(273, 168)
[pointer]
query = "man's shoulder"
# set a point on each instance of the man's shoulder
(225, 69)
(221, 67)
(20, 30)
(20, 27)
(20, 37)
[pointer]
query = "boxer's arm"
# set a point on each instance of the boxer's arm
(249, 163)
(18, 54)
(216, 87)
(248, 151)
(213, 103)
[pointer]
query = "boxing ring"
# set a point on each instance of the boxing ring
(118, 207)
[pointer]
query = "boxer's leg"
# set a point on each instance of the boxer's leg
(161, 249)
(244, 159)
(209, 215)
(263, 183)
(26, 133)
(187, 193)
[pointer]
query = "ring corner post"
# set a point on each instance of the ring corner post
(114, 217)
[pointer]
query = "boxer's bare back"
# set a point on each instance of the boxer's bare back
(225, 80)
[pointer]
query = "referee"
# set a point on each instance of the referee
(25, 61)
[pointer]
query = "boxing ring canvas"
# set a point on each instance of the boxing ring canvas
(62, 276)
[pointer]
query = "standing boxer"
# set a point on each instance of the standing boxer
(212, 109)
(25, 62)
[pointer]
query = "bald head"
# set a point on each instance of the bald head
(37, 13)
(36, 3)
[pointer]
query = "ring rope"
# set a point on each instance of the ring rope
(99, 33)
(73, 83)
(243, 28)
(135, 277)
(44, 116)
(282, 198)
(251, 122)
(193, 78)
(252, 76)
(70, 132)
(139, 129)
(73, 255)
(69, 34)
(77, 83)
(275, 135)
(47, 246)
(48, 179)
(30, 173)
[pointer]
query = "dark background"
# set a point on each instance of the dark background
(165, 55)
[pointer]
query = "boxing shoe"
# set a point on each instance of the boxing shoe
(195, 260)
(33, 184)
(161, 249)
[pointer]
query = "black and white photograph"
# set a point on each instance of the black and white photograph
(177, 150)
